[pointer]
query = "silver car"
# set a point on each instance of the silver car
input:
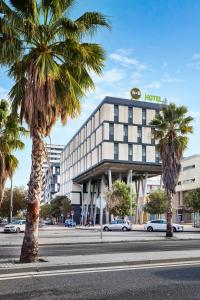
(117, 225)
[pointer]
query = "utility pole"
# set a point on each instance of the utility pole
(11, 199)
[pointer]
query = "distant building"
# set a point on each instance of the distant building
(51, 172)
(189, 179)
(51, 183)
(53, 155)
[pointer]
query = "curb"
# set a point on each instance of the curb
(163, 239)
(147, 262)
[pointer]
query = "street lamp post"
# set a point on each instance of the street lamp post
(11, 199)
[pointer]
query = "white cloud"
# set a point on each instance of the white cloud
(195, 64)
(112, 75)
(169, 79)
(135, 77)
(153, 85)
(196, 56)
(123, 59)
(122, 56)
(164, 65)
(124, 51)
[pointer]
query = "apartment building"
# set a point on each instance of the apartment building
(116, 142)
(51, 172)
(189, 179)
(51, 183)
(53, 153)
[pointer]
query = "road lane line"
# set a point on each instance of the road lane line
(12, 276)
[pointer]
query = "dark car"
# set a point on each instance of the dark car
(70, 223)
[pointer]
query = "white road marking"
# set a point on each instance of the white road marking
(12, 276)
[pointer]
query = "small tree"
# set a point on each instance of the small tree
(19, 202)
(118, 198)
(157, 202)
(45, 211)
(192, 201)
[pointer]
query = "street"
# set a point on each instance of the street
(119, 247)
(145, 283)
(78, 265)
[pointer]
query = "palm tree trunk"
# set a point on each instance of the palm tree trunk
(2, 188)
(29, 251)
(169, 231)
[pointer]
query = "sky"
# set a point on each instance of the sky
(153, 45)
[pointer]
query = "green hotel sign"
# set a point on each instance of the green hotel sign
(152, 98)
(136, 94)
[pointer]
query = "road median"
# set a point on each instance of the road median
(12, 266)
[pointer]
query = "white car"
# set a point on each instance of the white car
(161, 225)
(16, 226)
(117, 225)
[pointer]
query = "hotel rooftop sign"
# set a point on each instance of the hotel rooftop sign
(136, 95)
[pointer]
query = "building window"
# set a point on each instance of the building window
(143, 116)
(139, 134)
(157, 157)
(116, 113)
(144, 153)
(125, 133)
(116, 151)
(130, 152)
(189, 181)
(179, 182)
(111, 132)
(100, 153)
(188, 167)
(130, 115)
(153, 136)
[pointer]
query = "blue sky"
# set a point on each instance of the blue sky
(153, 45)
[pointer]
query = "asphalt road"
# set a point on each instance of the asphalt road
(157, 283)
(121, 247)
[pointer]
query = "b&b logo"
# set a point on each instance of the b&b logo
(136, 93)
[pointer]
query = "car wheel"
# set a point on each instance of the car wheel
(150, 229)
(18, 230)
(174, 229)
(124, 228)
(106, 228)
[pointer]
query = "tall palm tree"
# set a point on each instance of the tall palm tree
(51, 64)
(10, 134)
(172, 126)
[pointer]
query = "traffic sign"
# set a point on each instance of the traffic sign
(101, 202)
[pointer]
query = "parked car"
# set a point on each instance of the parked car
(70, 223)
(161, 225)
(117, 225)
(16, 226)
(49, 222)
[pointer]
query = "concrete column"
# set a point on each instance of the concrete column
(109, 186)
(102, 186)
(137, 188)
(96, 195)
(160, 181)
(144, 191)
(131, 194)
(88, 201)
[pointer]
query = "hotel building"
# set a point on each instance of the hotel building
(116, 142)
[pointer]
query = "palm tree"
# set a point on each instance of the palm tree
(172, 126)
(10, 134)
(51, 64)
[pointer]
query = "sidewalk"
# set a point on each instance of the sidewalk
(99, 260)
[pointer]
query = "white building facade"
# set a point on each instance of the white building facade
(115, 142)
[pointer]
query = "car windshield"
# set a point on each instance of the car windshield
(16, 222)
